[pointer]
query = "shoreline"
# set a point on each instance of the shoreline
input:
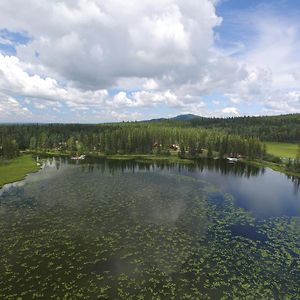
(172, 158)
(17, 169)
(273, 166)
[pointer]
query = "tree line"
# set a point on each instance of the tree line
(293, 165)
(126, 138)
(281, 128)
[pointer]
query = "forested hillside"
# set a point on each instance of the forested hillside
(125, 138)
(283, 128)
(192, 135)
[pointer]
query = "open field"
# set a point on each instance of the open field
(282, 149)
(16, 169)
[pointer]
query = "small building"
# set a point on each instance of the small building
(174, 147)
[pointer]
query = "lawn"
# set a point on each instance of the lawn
(282, 149)
(16, 169)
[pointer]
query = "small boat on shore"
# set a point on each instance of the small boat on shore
(232, 159)
(81, 157)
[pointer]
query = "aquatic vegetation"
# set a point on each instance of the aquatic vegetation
(87, 232)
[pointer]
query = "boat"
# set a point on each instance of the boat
(81, 157)
(232, 159)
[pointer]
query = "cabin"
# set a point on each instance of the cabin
(156, 145)
(235, 155)
(174, 147)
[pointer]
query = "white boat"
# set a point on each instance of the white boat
(232, 159)
(81, 157)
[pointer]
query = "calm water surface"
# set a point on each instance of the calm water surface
(128, 230)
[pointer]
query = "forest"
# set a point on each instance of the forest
(126, 138)
(190, 137)
(282, 128)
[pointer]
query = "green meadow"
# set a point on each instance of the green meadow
(16, 169)
(282, 149)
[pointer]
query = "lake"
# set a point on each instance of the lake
(101, 229)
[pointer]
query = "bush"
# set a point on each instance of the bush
(165, 152)
(272, 158)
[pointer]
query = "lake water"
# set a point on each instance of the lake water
(128, 230)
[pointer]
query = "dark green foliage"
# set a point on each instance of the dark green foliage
(223, 135)
(209, 151)
(283, 128)
(272, 158)
(181, 153)
(294, 165)
(9, 147)
(127, 138)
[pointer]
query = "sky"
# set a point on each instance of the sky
(94, 61)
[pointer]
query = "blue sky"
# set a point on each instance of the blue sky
(236, 28)
(94, 61)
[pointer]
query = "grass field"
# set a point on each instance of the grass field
(282, 149)
(16, 169)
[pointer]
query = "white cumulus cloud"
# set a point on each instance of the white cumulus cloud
(114, 56)
(230, 110)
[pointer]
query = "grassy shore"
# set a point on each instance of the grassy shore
(274, 166)
(16, 169)
(285, 150)
(150, 158)
(173, 158)
(282, 150)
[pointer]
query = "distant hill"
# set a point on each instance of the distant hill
(186, 117)
(279, 128)
(183, 117)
